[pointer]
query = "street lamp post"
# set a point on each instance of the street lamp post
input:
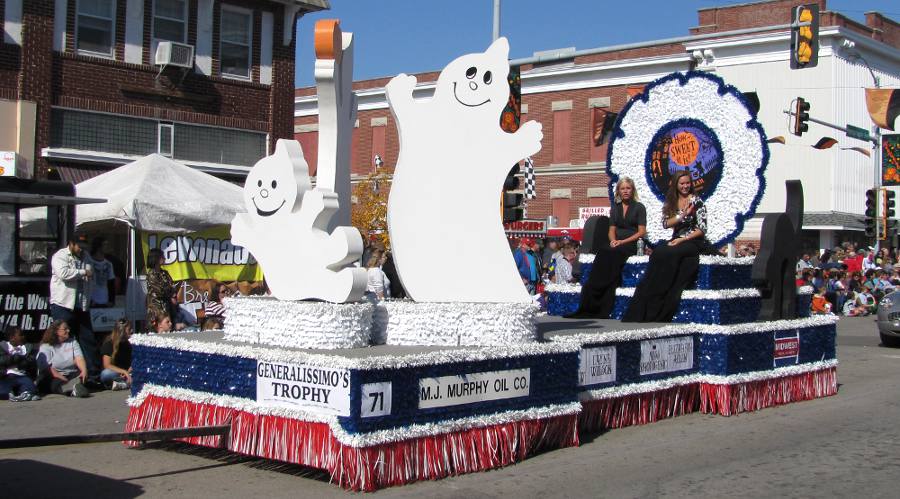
(849, 46)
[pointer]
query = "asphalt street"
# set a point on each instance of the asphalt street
(840, 446)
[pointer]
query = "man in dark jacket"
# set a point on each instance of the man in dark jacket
(17, 366)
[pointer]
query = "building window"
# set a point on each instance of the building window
(166, 139)
(102, 132)
(218, 145)
(170, 20)
(379, 139)
(128, 136)
(95, 27)
(560, 209)
(235, 41)
(309, 142)
(562, 133)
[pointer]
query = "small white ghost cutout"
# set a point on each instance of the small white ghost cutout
(285, 228)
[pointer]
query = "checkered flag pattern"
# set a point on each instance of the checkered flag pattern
(530, 185)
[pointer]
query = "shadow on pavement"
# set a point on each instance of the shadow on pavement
(27, 478)
(227, 458)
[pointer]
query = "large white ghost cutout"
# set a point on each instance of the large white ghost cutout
(285, 228)
(444, 212)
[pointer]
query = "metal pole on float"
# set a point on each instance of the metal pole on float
(496, 33)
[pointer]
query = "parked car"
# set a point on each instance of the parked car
(889, 319)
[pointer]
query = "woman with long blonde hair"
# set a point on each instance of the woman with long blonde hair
(116, 353)
(627, 225)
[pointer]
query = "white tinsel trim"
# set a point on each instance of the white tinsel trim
(586, 257)
(759, 327)
(358, 439)
(704, 260)
(637, 388)
(734, 379)
(778, 372)
(188, 342)
(429, 429)
(599, 338)
(563, 288)
(743, 150)
(301, 324)
(805, 290)
(452, 324)
(704, 294)
(229, 401)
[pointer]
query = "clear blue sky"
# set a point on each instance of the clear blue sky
(412, 36)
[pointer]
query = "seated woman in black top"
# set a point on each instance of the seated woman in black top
(627, 224)
(673, 266)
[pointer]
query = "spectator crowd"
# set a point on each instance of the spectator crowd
(72, 358)
(848, 280)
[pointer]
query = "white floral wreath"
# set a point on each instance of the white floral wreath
(721, 108)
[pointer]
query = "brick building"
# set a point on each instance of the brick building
(571, 91)
(86, 86)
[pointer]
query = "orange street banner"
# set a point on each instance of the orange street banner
(890, 159)
(208, 254)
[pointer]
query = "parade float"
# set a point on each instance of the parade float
(465, 377)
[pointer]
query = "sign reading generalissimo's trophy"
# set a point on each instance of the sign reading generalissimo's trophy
(317, 389)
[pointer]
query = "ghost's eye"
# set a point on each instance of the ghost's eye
(259, 183)
(470, 73)
(487, 78)
(274, 184)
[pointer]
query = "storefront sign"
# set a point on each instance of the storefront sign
(667, 355)
(526, 226)
(322, 390)
(584, 213)
(26, 305)
(208, 254)
(471, 388)
(7, 164)
(597, 365)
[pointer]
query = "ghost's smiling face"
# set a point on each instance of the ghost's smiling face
(267, 198)
(477, 82)
(269, 190)
(469, 88)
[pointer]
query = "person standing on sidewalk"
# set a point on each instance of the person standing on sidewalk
(70, 298)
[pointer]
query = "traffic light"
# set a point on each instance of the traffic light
(888, 203)
(801, 116)
(805, 39)
(512, 201)
(512, 209)
(887, 213)
(871, 212)
(512, 181)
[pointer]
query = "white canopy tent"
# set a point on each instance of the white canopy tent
(156, 194)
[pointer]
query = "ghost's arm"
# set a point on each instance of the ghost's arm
(345, 245)
(242, 230)
(399, 95)
(526, 141)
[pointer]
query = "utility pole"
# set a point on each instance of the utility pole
(496, 20)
